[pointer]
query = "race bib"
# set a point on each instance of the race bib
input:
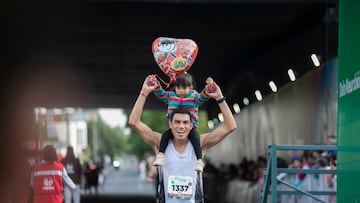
(180, 187)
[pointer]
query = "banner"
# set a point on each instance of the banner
(348, 156)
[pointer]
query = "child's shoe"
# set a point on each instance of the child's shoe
(199, 165)
(159, 160)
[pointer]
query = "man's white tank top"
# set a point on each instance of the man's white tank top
(179, 174)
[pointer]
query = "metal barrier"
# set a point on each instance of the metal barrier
(272, 171)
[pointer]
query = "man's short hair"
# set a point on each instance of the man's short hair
(180, 110)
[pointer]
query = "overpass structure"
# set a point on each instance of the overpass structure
(96, 53)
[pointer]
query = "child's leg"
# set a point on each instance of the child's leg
(165, 140)
(160, 159)
(195, 140)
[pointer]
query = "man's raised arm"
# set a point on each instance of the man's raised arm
(212, 138)
(146, 133)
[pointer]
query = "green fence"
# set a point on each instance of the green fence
(271, 179)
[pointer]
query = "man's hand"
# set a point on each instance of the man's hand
(152, 80)
(149, 85)
(209, 80)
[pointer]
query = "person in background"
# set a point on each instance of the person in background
(330, 140)
(48, 178)
(91, 172)
(142, 170)
(74, 170)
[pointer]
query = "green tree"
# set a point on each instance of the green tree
(203, 122)
(111, 141)
(157, 121)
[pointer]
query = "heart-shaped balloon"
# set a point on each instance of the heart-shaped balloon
(174, 56)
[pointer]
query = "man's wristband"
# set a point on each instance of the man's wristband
(221, 100)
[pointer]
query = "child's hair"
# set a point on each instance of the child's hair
(184, 80)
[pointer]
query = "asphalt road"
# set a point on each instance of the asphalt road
(123, 185)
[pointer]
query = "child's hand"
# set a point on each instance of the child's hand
(217, 93)
(151, 80)
(210, 85)
(210, 88)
